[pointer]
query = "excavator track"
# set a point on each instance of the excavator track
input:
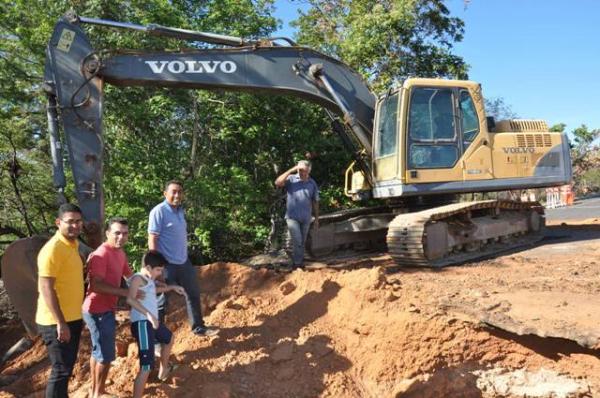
(358, 228)
(462, 232)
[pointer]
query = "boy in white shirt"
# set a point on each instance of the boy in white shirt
(145, 326)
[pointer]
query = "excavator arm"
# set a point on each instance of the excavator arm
(75, 74)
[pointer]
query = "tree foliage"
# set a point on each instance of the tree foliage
(585, 157)
(585, 154)
(558, 128)
(499, 109)
(386, 40)
(226, 147)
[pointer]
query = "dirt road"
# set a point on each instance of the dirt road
(523, 324)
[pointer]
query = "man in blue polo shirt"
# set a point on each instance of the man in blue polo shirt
(167, 234)
(302, 203)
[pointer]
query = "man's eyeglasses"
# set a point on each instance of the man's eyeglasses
(72, 222)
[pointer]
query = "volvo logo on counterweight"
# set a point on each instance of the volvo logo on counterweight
(518, 150)
(192, 66)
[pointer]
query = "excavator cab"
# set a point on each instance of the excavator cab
(422, 130)
(431, 137)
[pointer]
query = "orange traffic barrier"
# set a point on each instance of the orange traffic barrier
(567, 195)
(559, 196)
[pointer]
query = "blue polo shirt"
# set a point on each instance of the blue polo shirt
(170, 226)
(300, 195)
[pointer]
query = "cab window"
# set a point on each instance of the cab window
(470, 121)
(433, 156)
(387, 125)
(432, 128)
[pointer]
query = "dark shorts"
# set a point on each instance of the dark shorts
(102, 331)
(146, 336)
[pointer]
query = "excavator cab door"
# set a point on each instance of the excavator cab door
(385, 159)
(443, 123)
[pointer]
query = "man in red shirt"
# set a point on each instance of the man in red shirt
(107, 265)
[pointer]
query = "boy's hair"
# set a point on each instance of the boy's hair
(173, 182)
(118, 220)
(153, 259)
(68, 208)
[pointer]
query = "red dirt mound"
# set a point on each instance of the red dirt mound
(341, 333)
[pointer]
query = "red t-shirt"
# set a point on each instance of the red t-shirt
(109, 264)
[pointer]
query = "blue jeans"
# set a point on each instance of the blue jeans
(298, 232)
(62, 357)
(102, 329)
(185, 276)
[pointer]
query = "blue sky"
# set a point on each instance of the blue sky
(541, 56)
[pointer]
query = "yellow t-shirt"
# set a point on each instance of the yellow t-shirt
(59, 259)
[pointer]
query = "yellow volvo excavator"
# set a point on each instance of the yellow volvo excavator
(415, 148)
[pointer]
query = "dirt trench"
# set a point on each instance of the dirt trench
(367, 329)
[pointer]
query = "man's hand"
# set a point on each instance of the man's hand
(63, 332)
(280, 181)
(154, 321)
(140, 295)
(178, 289)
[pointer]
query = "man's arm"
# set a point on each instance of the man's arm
(164, 288)
(154, 228)
(127, 272)
(315, 203)
(97, 285)
(152, 241)
(280, 181)
(46, 285)
(97, 269)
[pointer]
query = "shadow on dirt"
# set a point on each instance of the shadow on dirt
(285, 324)
(570, 233)
(550, 347)
(295, 365)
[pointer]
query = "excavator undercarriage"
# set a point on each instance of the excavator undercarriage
(435, 237)
(462, 232)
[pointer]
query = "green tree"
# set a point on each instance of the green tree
(388, 40)
(584, 139)
(499, 109)
(25, 187)
(147, 131)
(585, 157)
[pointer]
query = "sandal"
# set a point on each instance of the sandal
(170, 368)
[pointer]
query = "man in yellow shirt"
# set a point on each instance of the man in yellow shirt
(60, 286)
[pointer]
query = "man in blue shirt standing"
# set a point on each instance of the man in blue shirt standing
(167, 234)
(302, 204)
